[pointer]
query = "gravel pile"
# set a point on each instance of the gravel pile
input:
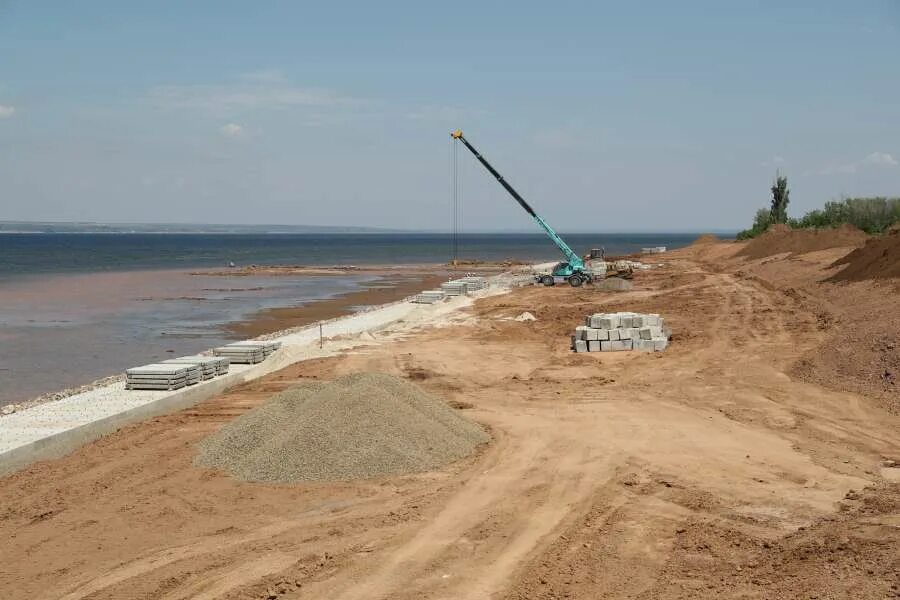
(357, 427)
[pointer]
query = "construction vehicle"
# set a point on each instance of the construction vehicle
(571, 270)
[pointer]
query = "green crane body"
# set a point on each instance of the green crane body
(572, 269)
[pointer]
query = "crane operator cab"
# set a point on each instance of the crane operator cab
(563, 272)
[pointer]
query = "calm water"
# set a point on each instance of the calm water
(30, 254)
(76, 307)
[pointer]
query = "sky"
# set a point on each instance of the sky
(606, 116)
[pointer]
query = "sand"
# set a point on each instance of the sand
(709, 471)
(359, 426)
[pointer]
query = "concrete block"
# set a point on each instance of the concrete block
(591, 335)
(607, 322)
(614, 335)
(593, 346)
(651, 320)
(625, 321)
(648, 333)
(581, 346)
(625, 334)
(643, 345)
(637, 321)
(595, 320)
(580, 332)
(659, 344)
(602, 334)
(616, 346)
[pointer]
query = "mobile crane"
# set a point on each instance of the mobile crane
(573, 268)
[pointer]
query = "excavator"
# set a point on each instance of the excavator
(572, 270)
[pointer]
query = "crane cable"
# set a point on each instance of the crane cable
(455, 210)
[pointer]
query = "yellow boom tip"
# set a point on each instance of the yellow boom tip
(456, 134)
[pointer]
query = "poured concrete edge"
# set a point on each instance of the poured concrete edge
(55, 429)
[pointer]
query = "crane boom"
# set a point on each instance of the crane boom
(574, 260)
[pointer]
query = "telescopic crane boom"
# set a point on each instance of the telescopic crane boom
(573, 269)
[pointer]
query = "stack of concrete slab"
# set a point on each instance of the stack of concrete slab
(429, 297)
(474, 283)
(210, 366)
(267, 347)
(613, 332)
(464, 286)
(653, 250)
(161, 377)
(247, 352)
(455, 288)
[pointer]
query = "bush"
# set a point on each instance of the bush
(872, 215)
(760, 223)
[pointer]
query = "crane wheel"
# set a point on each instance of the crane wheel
(576, 280)
(547, 280)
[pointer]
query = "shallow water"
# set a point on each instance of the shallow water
(64, 330)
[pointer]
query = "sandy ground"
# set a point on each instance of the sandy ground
(711, 470)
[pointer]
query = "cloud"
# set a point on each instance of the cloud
(263, 90)
(266, 76)
(450, 116)
(232, 130)
(877, 159)
(882, 159)
(7, 111)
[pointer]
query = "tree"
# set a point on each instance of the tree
(780, 198)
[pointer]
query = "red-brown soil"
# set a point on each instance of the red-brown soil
(780, 239)
(711, 470)
(878, 259)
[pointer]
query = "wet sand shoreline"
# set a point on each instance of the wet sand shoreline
(379, 291)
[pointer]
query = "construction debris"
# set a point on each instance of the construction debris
(356, 427)
(612, 332)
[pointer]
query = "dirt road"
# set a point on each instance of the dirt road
(706, 471)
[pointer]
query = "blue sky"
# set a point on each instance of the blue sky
(607, 116)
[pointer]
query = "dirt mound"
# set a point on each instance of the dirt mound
(878, 259)
(781, 239)
(356, 427)
(706, 238)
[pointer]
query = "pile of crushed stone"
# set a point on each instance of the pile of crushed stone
(878, 259)
(358, 426)
(780, 239)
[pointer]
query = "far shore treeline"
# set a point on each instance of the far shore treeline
(872, 215)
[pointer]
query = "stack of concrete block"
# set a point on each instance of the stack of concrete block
(614, 332)
(161, 377)
(429, 297)
(653, 250)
